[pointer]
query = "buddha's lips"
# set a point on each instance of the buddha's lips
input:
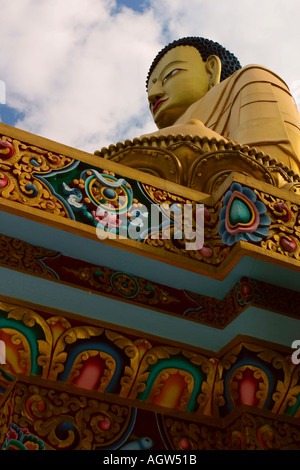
(157, 103)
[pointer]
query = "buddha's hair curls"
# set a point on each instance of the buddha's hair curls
(206, 48)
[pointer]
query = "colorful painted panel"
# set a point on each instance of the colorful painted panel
(126, 287)
(42, 416)
(110, 203)
(92, 357)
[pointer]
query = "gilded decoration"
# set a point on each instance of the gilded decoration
(195, 371)
(248, 431)
(20, 167)
(17, 254)
(87, 196)
(184, 382)
(65, 421)
(199, 163)
(95, 358)
(124, 286)
(48, 418)
(285, 233)
(109, 365)
(248, 384)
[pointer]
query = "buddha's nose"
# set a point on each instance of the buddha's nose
(155, 93)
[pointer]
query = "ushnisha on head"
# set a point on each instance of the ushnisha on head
(182, 73)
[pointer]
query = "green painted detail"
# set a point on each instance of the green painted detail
(98, 273)
(239, 212)
(176, 364)
(6, 376)
(292, 410)
(31, 336)
(14, 445)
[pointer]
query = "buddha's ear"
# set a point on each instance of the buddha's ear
(213, 67)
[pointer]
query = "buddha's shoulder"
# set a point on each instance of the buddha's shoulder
(257, 73)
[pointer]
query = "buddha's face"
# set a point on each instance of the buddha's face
(179, 79)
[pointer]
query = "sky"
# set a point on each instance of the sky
(74, 71)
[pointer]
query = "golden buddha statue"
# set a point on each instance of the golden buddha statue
(197, 88)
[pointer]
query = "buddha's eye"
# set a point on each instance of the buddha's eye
(173, 72)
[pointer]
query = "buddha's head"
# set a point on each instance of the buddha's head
(182, 73)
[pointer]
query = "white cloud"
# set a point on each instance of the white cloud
(77, 68)
(265, 32)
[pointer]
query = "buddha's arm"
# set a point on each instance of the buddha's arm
(193, 127)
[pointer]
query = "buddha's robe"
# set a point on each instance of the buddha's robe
(252, 107)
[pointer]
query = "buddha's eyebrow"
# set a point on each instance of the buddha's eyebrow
(166, 66)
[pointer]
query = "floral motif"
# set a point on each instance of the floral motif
(125, 284)
(107, 219)
(242, 216)
(20, 439)
(247, 291)
(6, 149)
